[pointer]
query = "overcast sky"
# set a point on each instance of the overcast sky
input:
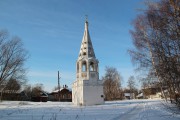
(52, 31)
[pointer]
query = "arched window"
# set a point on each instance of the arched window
(91, 66)
(84, 53)
(84, 66)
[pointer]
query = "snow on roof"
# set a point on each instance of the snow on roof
(126, 94)
(140, 95)
(56, 91)
(44, 93)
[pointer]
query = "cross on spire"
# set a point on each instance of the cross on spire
(86, 16)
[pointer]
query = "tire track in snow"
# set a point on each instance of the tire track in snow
(131, 114)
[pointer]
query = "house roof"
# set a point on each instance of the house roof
(56, 91)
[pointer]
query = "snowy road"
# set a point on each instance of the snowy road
(147, 110)
(114, 110)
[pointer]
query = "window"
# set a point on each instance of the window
(84, 53)
(91, 67)
(84, 67)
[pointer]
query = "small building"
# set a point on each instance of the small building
(152, 92)
(10, 95)
(42, 98)
(65, 94)
(129, 96)
(140, 96)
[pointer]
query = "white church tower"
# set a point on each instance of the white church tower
(87, 89)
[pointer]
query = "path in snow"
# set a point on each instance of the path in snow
(148, 111)
(114, 110)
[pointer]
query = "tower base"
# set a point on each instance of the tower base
(87, 93)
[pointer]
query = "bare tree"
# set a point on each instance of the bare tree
(13, 55)
(33, 92)
(11, 90)
(131, 83)
(13, 86)
(27, 92)
(37, 90)
(157, 45)
(112, 84)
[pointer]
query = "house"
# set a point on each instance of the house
(42, 98)
(129, 96)
(152, 91)
(10, 95)
(140, 96)
(64, 95)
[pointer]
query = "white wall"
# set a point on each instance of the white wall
(92, 95)
(87, 92)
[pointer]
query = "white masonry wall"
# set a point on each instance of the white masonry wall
(93, 95)
(87, 93)
(77, 92)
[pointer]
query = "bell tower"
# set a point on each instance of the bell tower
(87, 89)
(87, 64)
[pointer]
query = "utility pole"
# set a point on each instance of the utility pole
(58, 86)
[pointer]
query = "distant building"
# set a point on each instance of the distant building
(10, 95)
(65, 94)
(87, 89)
(42, 98)
(140, 96)
(152, 93)
(129, 96)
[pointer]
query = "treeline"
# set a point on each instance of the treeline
(113, 89)
(156, 37)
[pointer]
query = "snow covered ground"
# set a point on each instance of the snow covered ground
(114, 110)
